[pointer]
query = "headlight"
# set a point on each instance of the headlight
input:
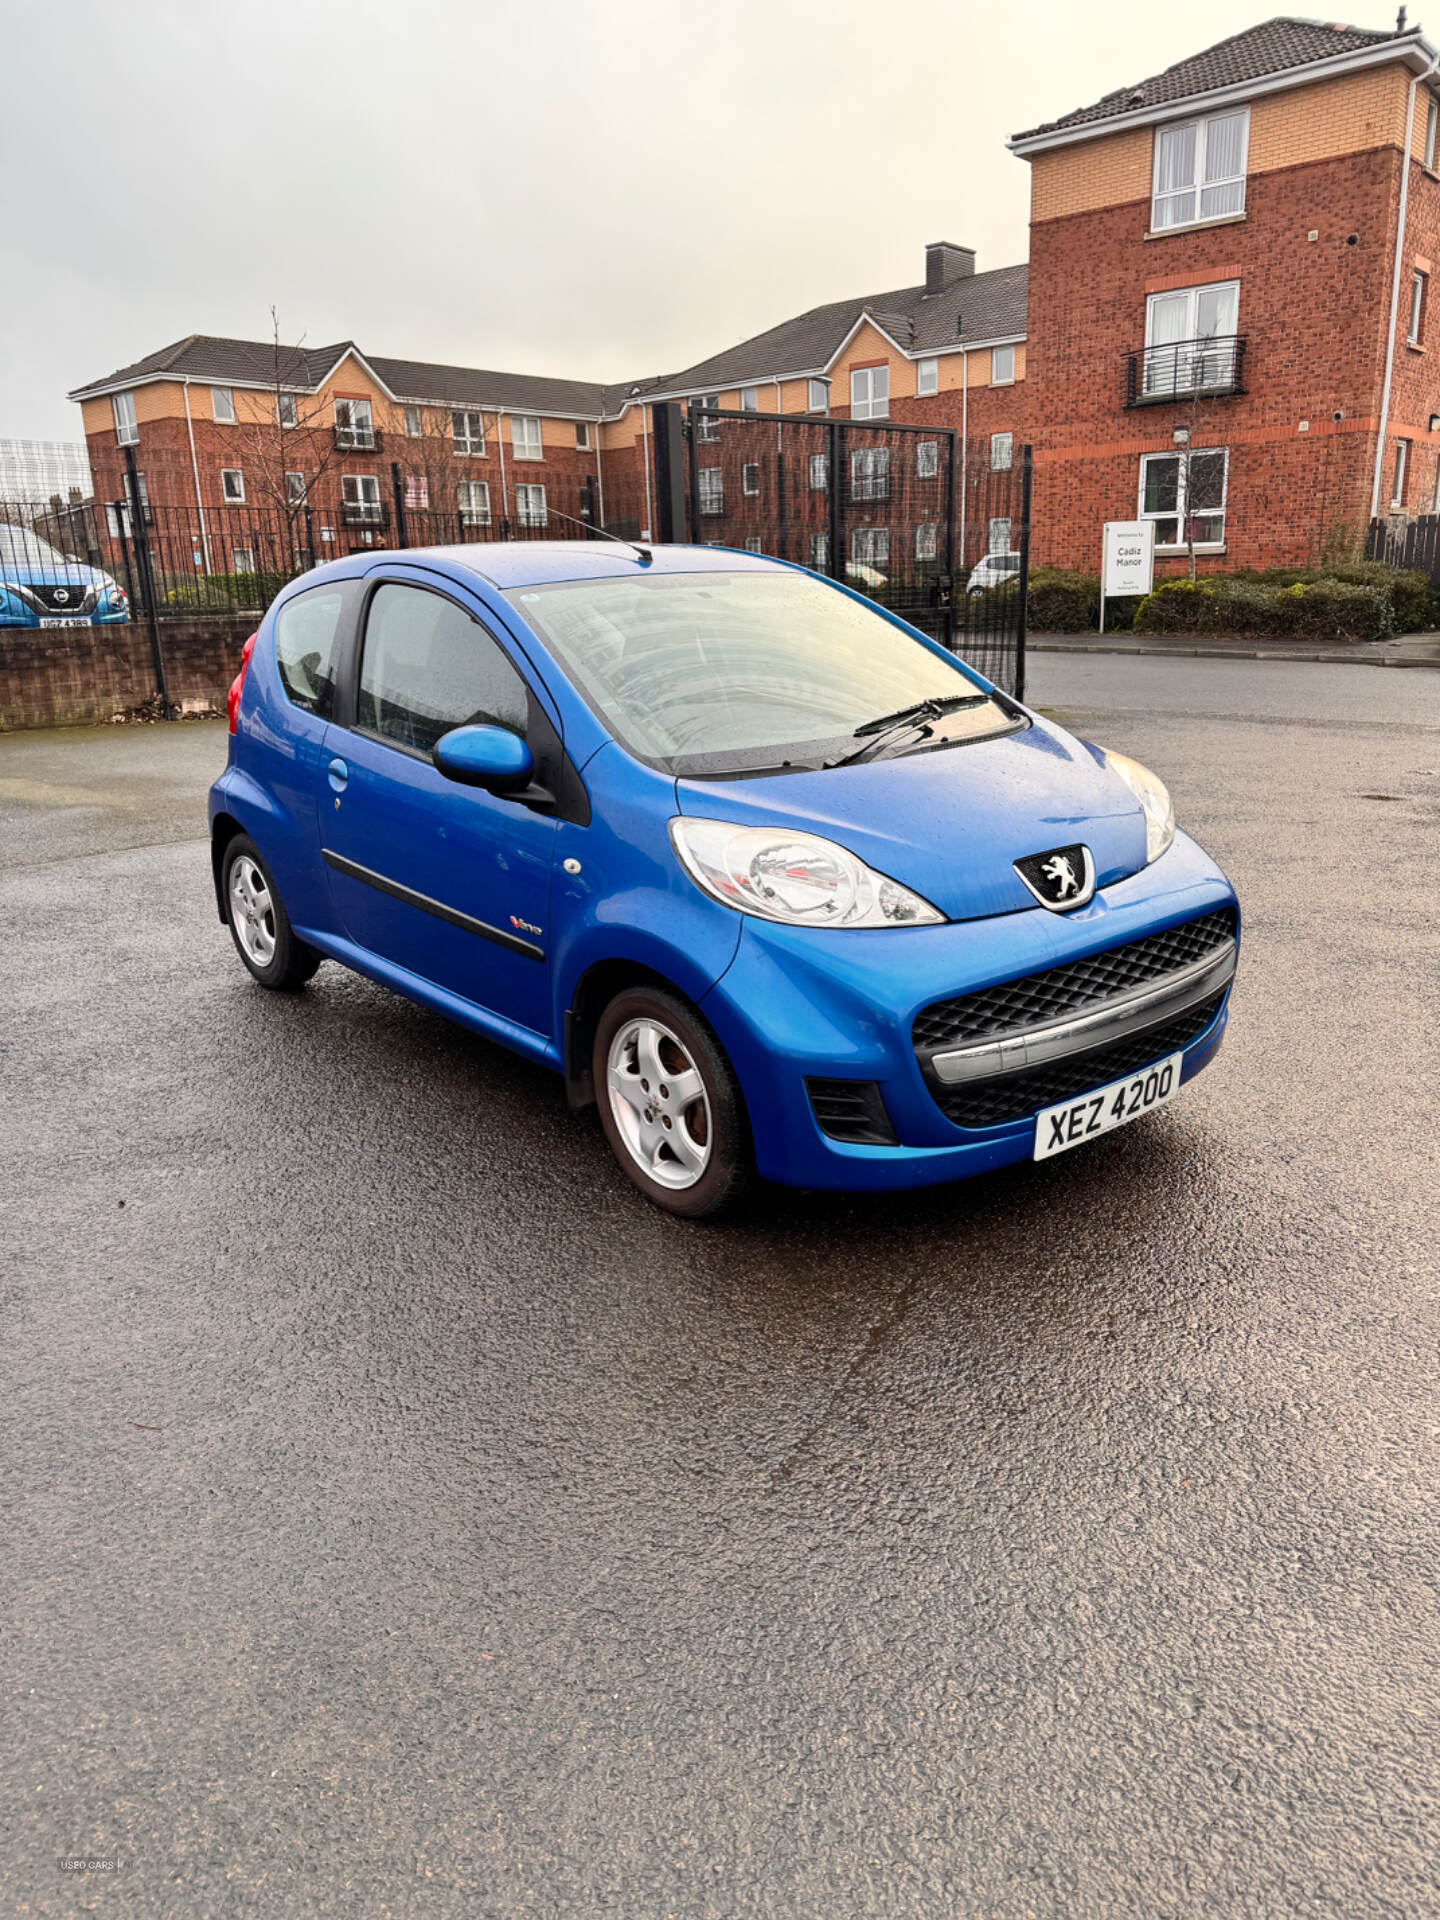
(796, 878)
(1154, 797)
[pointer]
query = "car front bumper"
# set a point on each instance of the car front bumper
(800, 1004)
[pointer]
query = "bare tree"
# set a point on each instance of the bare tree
(433, 459)
(293, 437)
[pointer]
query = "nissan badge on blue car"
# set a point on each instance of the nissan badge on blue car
(779, 885)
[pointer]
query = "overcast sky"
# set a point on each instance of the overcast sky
(602, 188)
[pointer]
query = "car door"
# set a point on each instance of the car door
(448, 881)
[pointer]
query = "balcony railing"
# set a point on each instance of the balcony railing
(363, 513)
(1185, 369)
(357, 439)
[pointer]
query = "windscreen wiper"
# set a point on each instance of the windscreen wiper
(875, 735)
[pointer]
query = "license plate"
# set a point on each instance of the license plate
(72, 621)
(1058, 1129)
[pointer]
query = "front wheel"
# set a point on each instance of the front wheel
(670, 1104)
(259, 924)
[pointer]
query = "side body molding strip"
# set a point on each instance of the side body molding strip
(426, 905)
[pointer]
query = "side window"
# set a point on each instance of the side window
(305, 630)
(428, 667)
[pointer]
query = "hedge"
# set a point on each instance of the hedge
(1324, 609)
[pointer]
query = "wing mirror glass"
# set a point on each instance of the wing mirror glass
(489, 757)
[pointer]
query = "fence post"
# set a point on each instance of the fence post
(780, 553)
(669, 471)
(693, 506)
(402, 532)
(1026, 459)
(146, 575)
(835, 462)
(310, 534)
(950, 635)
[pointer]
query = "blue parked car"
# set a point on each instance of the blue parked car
(42, 587)
(776, 882)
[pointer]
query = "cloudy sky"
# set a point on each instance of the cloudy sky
(604, 188)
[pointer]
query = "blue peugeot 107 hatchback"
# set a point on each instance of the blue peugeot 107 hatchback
(778, 883)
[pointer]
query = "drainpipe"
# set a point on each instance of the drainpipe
(500, 442)
(195, 470)
(964, 443)
(1405, 166)
(645, 429)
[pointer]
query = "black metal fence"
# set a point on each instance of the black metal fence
(892, 510)
(1407, 543)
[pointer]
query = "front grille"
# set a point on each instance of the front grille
(63, 596)
(990, 1103)
(1042, 997)
(851, 1110)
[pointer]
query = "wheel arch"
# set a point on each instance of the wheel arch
(594, 991)
(223, 829)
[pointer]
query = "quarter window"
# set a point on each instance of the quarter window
(1002, 446)
(870, 393)
(1002, 366)
(122, 405)
(472, 497)
(428, 667)
(870, 473)
(819, 396)
(305, 630)
(1175, 492)
(530, 506)
(712, 490)
(1200, 170)
(927, 376)
(525, 437)
(469, 431)
(232, 486)
(222, 406)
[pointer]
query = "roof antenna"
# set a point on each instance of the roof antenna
(646, 556)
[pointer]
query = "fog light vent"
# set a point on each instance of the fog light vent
(851, 1110)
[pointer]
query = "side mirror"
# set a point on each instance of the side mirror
(490, 757)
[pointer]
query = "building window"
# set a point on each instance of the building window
(1402, 473)
(1432, 127)
(472, 497)
(870, 547)
(469, 432)
(294, 489)
(1175, 491)
(354, 426)
(927, 376)
(582, 435)
(530, 503)
(752, 543)
(1200, 170)
(870, 473)
(926, 536)
(712, 490)
(1190, 338)
(414, 423)
(750, 479)
(138, 493)
(1002, 448)
(999, 535)
(820, 551)
(819, 472)
(287, 411)
(1002, 366)
(819, 396)
(708, 429)
(927, 459)
(122, 405)
(242, 560)
(749, 399)
(525, 437)
(360, 495)
(1419, 286)
(232, 486)
(417, 490)
(870, 393)
(222, 406)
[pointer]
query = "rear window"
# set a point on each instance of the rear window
(305, 630)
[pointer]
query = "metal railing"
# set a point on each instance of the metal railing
(1181, 369)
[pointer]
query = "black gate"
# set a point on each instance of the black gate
(1407, 543)
(893, 511)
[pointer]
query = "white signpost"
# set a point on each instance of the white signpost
(1127, 564)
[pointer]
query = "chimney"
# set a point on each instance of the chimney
(945, 264)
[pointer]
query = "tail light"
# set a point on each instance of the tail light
(232, 699)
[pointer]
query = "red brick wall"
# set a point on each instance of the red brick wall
(84, 676)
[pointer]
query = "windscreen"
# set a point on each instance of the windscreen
(21, 548)
(705, 673)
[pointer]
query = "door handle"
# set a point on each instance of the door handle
(338, 774)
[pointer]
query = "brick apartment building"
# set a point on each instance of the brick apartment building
(1229, 261)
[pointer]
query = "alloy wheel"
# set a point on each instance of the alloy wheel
(660, 1104)
(252, 911)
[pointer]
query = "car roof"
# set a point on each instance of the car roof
(530, 563)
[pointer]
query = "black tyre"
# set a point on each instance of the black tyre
(670, 1104)
(259, 924)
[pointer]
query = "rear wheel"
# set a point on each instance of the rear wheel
(670, 1104)
(259, 924)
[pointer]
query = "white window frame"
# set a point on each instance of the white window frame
(242, 559)
(366, 498)
(869, 547)
(927, 540)
(750, 479)
(927, 459)
(1432, 127)
(817, 396)
(1419, 287)
(1199, 185)
(222, 406)
(1002, 366)
(529, 511)
(749, 399)
(707, 430)
(122, 406)
(870, 392)
(472, 503)
(295, 496)
(356, 431)
(927, 376)
(999, 542)
(820, 550)
(529, 444)
(712, 490)
(1400, 475)
(1179, 514)
(414, 422)
(819, 472)
(468, 444)
(1205, 367)
(232, 496)
(582, 436)
(752, 543)
(1002, 452)
(870, 473)
(287, 403)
